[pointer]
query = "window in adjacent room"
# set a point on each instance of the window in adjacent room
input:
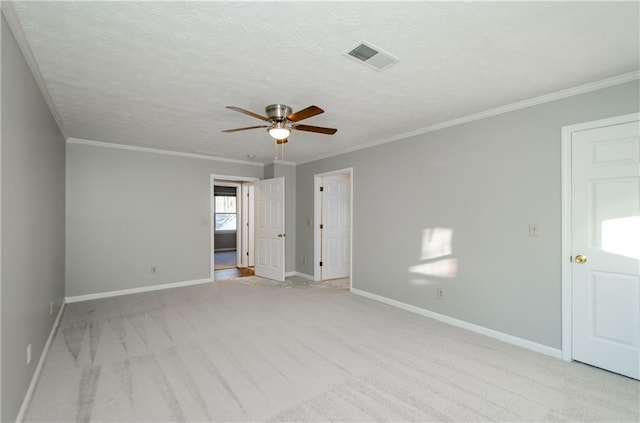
(225, 212)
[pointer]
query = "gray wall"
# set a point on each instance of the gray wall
(487, 180)
(288, 172)
(33, 208)
(225, 241)
(129, 211)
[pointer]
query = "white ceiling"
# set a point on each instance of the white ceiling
(159, 74)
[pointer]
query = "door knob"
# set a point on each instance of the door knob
(280, 235)
(581, 259)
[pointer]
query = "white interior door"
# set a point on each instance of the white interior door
(269, 228)
(336, 227)
(605, 240)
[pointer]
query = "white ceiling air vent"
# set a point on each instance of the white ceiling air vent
(372, 56)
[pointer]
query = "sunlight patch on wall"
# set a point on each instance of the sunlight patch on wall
(622, 236)
(436, 243)
(436, 249)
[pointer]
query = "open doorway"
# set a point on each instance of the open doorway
(333, 225)
(232, 237)
(225, 224)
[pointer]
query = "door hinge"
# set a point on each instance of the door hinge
(320, 264)
(321, 226)
(321, 189)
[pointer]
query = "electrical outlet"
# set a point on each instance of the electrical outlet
(51, 308)
(29, 354)
(440, 293)
(154, 269)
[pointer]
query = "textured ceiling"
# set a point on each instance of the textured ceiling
(159, 74)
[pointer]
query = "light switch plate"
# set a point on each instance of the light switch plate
(534, 229)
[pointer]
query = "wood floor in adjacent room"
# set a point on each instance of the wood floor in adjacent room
(254, 350)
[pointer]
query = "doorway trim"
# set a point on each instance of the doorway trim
(567, 248)
(317, 213)
(212, 223)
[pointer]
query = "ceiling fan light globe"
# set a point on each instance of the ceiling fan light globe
(279, 133)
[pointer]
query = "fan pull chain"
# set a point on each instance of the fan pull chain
(282, 151)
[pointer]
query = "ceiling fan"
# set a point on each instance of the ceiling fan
(281, 121)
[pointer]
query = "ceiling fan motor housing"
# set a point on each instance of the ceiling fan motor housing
(278, 112)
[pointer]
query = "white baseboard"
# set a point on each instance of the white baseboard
(87, 297)
(514, 340)
(36, 374)
(302, 275)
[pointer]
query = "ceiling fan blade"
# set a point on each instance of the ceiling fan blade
(305, 113)
(244, 129)
(246, 112)
(318, 129)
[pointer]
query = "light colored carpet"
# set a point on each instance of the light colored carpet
(257, 350)
(297, 282)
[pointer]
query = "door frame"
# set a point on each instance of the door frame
(567, 248)
(221, 179)
(248, 216)
(317, 213)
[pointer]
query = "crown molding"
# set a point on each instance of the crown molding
(12, 19)
(157, 151)
(547, 98)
